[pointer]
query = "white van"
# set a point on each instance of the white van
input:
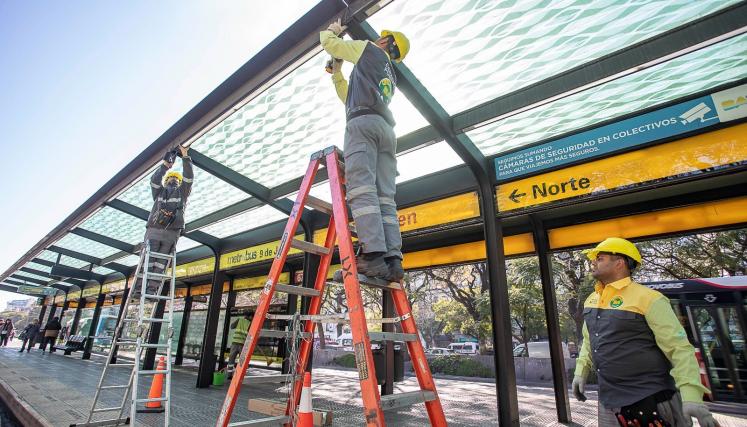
(538, 350)
(464, 347)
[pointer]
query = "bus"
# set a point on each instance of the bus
(714, 314)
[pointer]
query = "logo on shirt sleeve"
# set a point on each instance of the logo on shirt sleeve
(616, 302)
(386, 89)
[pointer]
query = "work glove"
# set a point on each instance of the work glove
(579, 383)
(335, 27)
(700, 412)
(334, 65)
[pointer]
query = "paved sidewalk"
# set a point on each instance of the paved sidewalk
(61, 389)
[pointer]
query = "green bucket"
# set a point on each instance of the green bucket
(219, 378)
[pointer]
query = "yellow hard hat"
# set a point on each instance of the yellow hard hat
(173, 174)
(403, 44)
(617, 246)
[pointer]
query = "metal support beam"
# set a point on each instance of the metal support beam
(76, 320)
(183, 329)
(559, 376)
(74, 254)
(207, 356)
(387, 311)
(120, 313)
(108, 241)
(138, 212)
(27, 279)
(41, 314)
(94, 325)
(63, 271)
(226, 335)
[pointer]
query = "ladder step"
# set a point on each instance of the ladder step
(282, 334)
(152, 399)
(154, 345)
(112, 387)
(391, 336)
(374, 282)
(269, 421)
(297, 290)
(319, 204)
(117, 408)
(157, 297)
(269, 379)
(125, 342)
(401, 400)
(111, 422)
(319, 318)
(155, 320)
(309, 247)
(154, 372)
(160, 255)
(121, 365)
(157, 275)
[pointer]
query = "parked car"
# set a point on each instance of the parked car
(538, 350)
(437, 351)
(464, 347)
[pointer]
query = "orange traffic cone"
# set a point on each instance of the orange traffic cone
(156, 389)
(305, 410)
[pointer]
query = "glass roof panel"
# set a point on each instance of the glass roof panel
(47, 256)
(39, 267)
(209, 194)
(425, 161)
(85, 246)
(697, 71)
(185, 243)
(103, 270)
(248, 220)
(116, 224)
(129, 260)
(271, 138)
(73, 262)
(469, 52)
(31, 275)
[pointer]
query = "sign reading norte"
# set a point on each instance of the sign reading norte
(720, 107)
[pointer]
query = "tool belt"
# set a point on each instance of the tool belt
(363, 111)
(644, 412)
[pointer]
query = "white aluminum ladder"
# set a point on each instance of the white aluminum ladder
(127, 337)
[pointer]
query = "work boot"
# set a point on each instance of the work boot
(396, 272)
(372, 265)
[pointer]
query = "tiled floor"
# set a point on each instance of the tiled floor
(61, 389)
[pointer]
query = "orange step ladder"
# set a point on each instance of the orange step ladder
(338, 230)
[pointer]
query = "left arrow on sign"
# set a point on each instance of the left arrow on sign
(514, 196)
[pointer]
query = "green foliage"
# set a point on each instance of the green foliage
(456, 318)
(462, 366)
(525, 299)
(346, 360)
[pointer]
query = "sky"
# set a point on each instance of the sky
(85, 86)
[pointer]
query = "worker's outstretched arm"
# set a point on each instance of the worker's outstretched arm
(157, 178)
(341, 85)
(672, 340)
(583, 361)
(187, 172)
(347, 50)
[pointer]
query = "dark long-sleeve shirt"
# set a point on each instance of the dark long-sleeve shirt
(162, 193)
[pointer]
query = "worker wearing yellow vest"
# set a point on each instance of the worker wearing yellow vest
(645, 365)
(241, 326)
(370, 146)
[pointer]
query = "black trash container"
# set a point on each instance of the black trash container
(379, 356)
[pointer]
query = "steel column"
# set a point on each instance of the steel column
(225, 336)
(207, 356)
(557, 360)
(387, 311)
(94, 325)
(154, 333)
(76, 320)
(183, 329)
(125, 296)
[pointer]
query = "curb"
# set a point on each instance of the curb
(22, 411)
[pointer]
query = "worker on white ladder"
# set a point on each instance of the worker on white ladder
(370, 146)
(166, 220)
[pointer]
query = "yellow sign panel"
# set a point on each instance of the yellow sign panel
(195, 268)
(257, 282)
(74, 295)
(251, 255)
(59, 299)
(686, 156)
(89, 292)
(113, 286)
(697, 217)
(439, 212)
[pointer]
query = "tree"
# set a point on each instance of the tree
(573, 283)
(525, 299)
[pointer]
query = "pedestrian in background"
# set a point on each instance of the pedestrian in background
(29, 334)
(6, 329)
(51, 331)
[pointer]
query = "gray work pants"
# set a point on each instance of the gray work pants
(163, 241)
(671, 411)
(370, 173)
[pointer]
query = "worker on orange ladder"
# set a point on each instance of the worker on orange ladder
(370, 144)
(645, 366)
(170, 191)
